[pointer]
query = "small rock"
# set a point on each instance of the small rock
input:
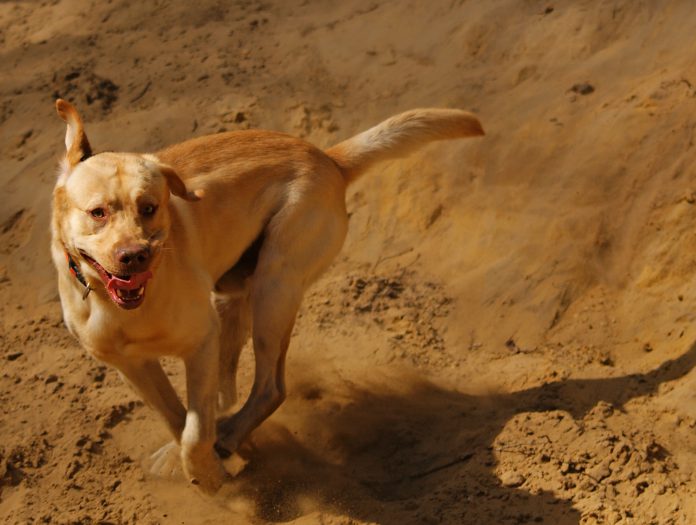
(614, 518)
(603, 409)
(587, 485)
(583, 88)
(599, 472)
(606, 361)
(511, 479)
(640, 487)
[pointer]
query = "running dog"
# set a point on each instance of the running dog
(187, 251)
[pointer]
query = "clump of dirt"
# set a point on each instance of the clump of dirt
(541, 278)
(595, 463)
(83, 87)
(407, 311)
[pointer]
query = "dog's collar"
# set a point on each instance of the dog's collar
(75, 270)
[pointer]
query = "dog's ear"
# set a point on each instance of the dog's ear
(76, 143)
(177, 186)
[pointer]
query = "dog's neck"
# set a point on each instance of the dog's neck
(75, 271)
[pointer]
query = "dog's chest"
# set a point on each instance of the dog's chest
(173, 330)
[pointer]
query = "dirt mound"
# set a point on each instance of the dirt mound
(507, 336)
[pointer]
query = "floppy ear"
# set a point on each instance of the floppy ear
(76, 143)
(177, 186)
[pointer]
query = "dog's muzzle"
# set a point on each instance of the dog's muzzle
(127, 291)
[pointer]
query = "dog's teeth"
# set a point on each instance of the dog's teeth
(130, 295)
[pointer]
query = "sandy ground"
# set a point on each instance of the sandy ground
(508, 335)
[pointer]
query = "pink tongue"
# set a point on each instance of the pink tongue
(136, 281)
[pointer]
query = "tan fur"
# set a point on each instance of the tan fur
(399, 135)
(269, 218)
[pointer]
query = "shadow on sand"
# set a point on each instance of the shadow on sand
(419, 455)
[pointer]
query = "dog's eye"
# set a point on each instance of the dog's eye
(98, 213)
(148, 210)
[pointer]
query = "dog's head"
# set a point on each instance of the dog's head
(111, 213)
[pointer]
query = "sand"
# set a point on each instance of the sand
(507, 336)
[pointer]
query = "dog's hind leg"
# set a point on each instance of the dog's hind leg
(273, 321)
(299, 245)
(231, 298)
(235, 321)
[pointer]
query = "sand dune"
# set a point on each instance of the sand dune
(507, 336)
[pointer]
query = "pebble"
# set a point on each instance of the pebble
(583, 88)
(511, 479)
(599, 472)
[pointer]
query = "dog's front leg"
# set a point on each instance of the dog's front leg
(149, 380)
(201, 463)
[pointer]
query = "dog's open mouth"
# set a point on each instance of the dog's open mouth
(127, 291)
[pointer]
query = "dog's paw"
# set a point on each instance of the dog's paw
(166, 462)
(234, 464)
(203, 468)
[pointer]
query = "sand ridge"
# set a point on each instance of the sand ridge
(507, 336)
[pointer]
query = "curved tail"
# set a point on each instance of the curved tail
(399, 135)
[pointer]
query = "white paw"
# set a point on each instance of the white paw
(166, 462)
(235, 464)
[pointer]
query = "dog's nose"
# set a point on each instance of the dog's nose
(133, 257)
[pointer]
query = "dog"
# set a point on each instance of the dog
(188, 251)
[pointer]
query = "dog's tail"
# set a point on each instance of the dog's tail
(399, 135)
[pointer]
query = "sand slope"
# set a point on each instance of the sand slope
(507, 336)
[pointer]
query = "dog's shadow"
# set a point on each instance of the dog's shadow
(420, 455)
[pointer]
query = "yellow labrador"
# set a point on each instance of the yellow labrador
(185, 251)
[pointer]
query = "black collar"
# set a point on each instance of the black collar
(75, 270)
